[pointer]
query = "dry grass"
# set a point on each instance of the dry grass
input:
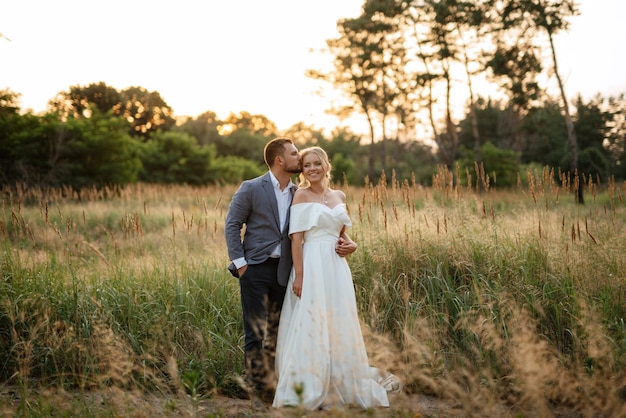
(486, 304)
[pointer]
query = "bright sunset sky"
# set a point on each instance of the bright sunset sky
(231, 56)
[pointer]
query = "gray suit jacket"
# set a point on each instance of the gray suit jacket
(254, 205)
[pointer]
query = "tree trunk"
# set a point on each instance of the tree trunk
(571, 133)
(429, 78)
(372, 153)
(383, 146)
(472, 109)
(450, 127)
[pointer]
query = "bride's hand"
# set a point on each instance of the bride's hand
(297, 286)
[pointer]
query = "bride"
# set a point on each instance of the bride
(321, 361)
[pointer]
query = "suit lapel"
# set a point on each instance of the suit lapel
(292, 190)
(268, 188)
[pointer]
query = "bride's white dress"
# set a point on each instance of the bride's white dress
(321, 359)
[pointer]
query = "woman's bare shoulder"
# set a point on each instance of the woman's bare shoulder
(338, 194)
(300, 196)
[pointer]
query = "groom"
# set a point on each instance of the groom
(262, 259)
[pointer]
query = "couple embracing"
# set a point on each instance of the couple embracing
(303, 344)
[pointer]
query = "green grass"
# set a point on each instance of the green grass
(510, 298)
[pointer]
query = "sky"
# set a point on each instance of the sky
(231, 56)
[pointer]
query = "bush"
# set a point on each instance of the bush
(232, 170)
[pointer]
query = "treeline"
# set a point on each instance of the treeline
(95, 135)
(98, 136)
(401, 65)
(404, 65)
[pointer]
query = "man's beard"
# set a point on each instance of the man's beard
(294, 170)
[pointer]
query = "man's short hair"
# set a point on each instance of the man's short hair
(275, 148)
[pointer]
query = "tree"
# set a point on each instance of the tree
(491, 118)
(468, 21)
(447, 35)
(442, 24)
(97, 151)
(233, 170)
(549, 17)
(500, 167)
(9, 117)
(9, 102)
(592, 128)
(615, 140)
(419, 18)
(205, 128)
(79, 101)
(513, 62)
(241, 143)
(347, 155)
(543, 128)
(369, 67)
(176, 157)
(78, 152)
(144, 111)
(24, 148)
(245, 135)
(253, 124)
(304, 135)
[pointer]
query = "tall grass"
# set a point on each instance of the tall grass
(500, 303)
(501, 296)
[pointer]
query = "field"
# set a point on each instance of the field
(485, 303)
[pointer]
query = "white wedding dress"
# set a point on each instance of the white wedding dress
(321, 361)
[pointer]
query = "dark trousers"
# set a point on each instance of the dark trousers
(261, 302)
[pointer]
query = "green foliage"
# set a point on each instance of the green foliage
(494, 125)
(615, 139)
(592, 127)
(98, 151)
(80, 145)
(204, 128)
(253, 124)
(346, 156)
(175, 157)
(22, 156)
(8, 103)
(232, 170)
(242, 143)
(343, 168)
(80, 153)
(80, 101)
(145, 111)
(500, 165)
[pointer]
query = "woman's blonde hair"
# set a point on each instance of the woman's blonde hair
(321, 154)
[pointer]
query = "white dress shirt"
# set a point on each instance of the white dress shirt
(283, 198)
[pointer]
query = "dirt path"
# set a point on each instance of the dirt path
(401, 406)
(141, 405)
(135, 404)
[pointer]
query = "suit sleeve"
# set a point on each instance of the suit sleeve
(238, 212)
